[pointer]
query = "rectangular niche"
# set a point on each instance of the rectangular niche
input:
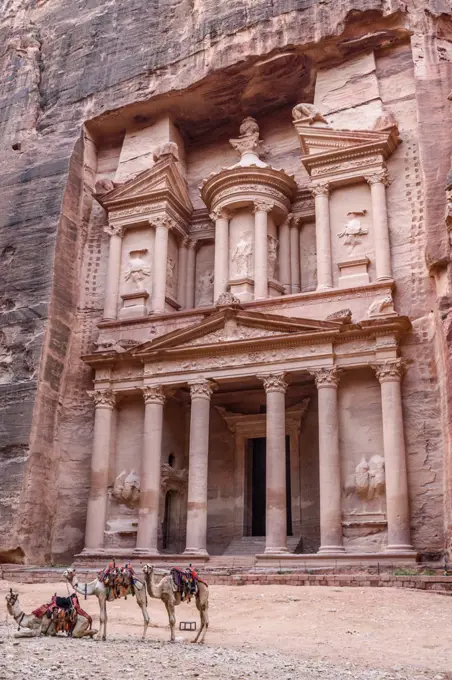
(135, 284)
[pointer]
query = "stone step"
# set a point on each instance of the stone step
(255, 545)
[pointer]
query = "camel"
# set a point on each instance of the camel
(44, 625)
(165, 591)
(98, 589)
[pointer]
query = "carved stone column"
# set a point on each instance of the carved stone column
(221, 267)
(295, 277)
(261, 210)
(162, 228)
(191, 273)
(390, 373)
(323, 236)
(200, 392)
(378, 183)
(104, 403)
(148, 513)
(284, 253)
(115, 233)
(327, 381)
(182, 273)
(276, 514)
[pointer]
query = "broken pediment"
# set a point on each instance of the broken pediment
(235, 325)
(164, 180)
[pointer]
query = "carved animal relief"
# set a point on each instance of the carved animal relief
(353, 229)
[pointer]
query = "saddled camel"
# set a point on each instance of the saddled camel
(98, 589)
(42, 625)
(165, 592)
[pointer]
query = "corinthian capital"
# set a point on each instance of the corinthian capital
(153, 394)
(162, 221)
(390, 370)
(263, 206)
(321, 189)
(274, 382)
(326, 377)
(201, 389)
(379, 177)
(219, 213)
(103, 398)
(114, 230)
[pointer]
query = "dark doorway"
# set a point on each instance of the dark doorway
(258, 468)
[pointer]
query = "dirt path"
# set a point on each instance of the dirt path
(276, 632)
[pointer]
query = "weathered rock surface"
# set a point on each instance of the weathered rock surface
(104, 65)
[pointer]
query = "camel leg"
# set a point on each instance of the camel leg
(103, 619)
(172, 619)
(204, 616)
(142, 602)
(28, 633)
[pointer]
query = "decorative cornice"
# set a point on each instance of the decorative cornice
(153, 394)
(103, 398)
(390, 371)
(274, 382)
(201, 389)
(114, 230)
(381, 177)
(263, 206)
(326, 377)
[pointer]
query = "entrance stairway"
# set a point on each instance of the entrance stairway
(255, 545)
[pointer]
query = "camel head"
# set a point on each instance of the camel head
(11, 599)
(148, 569)
(69, 574)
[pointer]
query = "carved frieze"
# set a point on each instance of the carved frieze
(345, 167)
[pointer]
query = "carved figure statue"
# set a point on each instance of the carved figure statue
(381, 307)
(353, 229)
(307, 114)
(370, 478)
(171, 597)
(126, 489)
(242, 256)
(362, 478)
(170, 267)
(204, 288)
(103, 186)
(272, 244)
(249, 138)
(167, 149)
(138, 269)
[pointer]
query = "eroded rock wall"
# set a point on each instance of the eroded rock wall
(62, 67)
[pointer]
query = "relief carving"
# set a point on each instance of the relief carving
(343, 315)
(204, 289)
(381, 307)
(369, 479)
(138, 269)
(165, 150)
(243, 255)
(272, 245)
(307, 114)
(170, 267)
(353, 229)
(227, 300)
(126, 489)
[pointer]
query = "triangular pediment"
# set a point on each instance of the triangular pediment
(230, 326)
(165, 178)
(323, 140)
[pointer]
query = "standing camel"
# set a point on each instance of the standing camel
(42, 625)
(98, 589)
(165, 592)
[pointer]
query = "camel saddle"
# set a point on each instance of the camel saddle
(118, 581)
(63, 611)
(185, 582)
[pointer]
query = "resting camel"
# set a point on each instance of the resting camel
(165, 591)
(44, 625)
(98, 589)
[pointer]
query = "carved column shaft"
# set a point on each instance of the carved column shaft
(182, 274)
(327, 381)
(162, 228)
(198, 468)
(378, 183)
(113, 272)
(397, 504)
(284, 254)
(294, 258)
(97, 502)
(276, 510)
(148, 513)
(221, 266)
(323, 237)
(261, 210)
(191, 272)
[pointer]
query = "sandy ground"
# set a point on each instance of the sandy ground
(255, 632)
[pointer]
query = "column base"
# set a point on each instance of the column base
(195, 552)
(330, 550)
(149, 552)
(323, 287)
(399, 548)
(276, 551)
(385, 278)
